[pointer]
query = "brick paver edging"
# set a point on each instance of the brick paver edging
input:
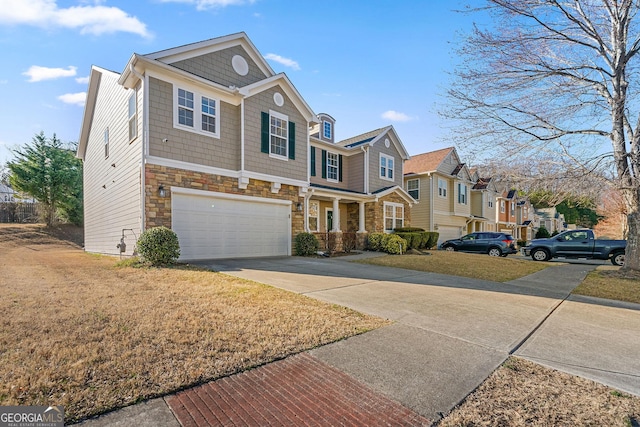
(297, 391)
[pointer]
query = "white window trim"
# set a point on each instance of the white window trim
(502, 206)
(393, 218)
(197, 111)
(461, 193)
(337, 166)
(106, 143)
(286, 142)
(393, 161)
(134, 117)
(444, 187)
(417, 180)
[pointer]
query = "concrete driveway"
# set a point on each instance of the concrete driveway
(450, 333)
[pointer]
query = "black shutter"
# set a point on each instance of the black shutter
(313, 161)
(292, 140)
(340, 168)
(264, 146)
(324, 164)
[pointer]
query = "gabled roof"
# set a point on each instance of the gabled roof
(92, 95)
(180, 53)
(457, 170)
(426, 162)
(371, 138)
(288, 87)
(482, 184)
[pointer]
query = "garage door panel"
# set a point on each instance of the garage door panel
(213, 227)
(448, 233)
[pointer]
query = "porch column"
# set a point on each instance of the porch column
(361, 226)
(336, 215)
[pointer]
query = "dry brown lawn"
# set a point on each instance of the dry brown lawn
(81, 332)
(477, 266)
(611, 283)
(522, 393)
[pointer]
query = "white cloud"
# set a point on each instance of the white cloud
(211, 4)
(395, 116)
(38, 74)
(90, 19)
(82, 80)
(74, 98)
(284, 61)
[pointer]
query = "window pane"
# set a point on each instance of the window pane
(185, 117)
(208, 123)
(278, 146)
(388, 224)
(208, 106)
(185, 98)
(390, 169)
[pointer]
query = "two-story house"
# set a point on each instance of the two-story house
(483, 203)
(356, 184)
(208, 140)
(441, 184)
(525, 216)
(506, 212)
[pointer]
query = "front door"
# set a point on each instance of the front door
(329, 219)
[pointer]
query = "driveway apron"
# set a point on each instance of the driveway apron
(449, 333)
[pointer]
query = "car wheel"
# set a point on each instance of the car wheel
(539, 255)
(495, 252)
(618, 259)
(449, 248)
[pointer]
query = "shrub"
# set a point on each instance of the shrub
(331, 243)
(522, 243)
(433, 239)
(394, 244)
(349, 241)
(159, 246)
(306, 244)
(542, 233)
(374, 241)
(408, 230)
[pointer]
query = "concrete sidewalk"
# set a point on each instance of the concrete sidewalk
(449, 334)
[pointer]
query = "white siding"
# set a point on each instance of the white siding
(112, 185)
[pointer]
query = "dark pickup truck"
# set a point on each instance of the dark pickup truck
(576, 244)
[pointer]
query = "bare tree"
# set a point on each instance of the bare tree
(559, 79)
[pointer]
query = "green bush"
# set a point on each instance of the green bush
(415, 239)
(408, 230)
(522, 243)
(306, 244)
(394, 244)
(374, 242)
(433, 239)
(159, 246)
(542, 233)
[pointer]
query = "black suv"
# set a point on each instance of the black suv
(485, 242)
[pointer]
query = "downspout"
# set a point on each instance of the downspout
(241, 136)
(431, 202)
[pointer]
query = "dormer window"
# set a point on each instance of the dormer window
(327, 129)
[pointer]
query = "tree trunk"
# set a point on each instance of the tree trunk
(632, 253)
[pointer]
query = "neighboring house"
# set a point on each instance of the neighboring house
(442, 185)
(506, 218)
(483, 203)
(525, 218)
(550, 219)
(208, 140)
(7, 194)
(356, 184)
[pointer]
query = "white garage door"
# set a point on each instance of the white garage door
(448, 233)
(215, 225)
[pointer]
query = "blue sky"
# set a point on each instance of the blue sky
(366, 63)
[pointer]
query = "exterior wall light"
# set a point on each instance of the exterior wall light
(161, 191)
(299, 207)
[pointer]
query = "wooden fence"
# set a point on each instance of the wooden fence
(18, 212)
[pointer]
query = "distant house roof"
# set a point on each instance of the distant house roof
(511, 194)
(527, 222)
(360, 139)
(426, 162)
(482, 184)
(457, 170)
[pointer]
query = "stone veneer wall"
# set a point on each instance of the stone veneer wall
(158, 209)
(374, 213)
